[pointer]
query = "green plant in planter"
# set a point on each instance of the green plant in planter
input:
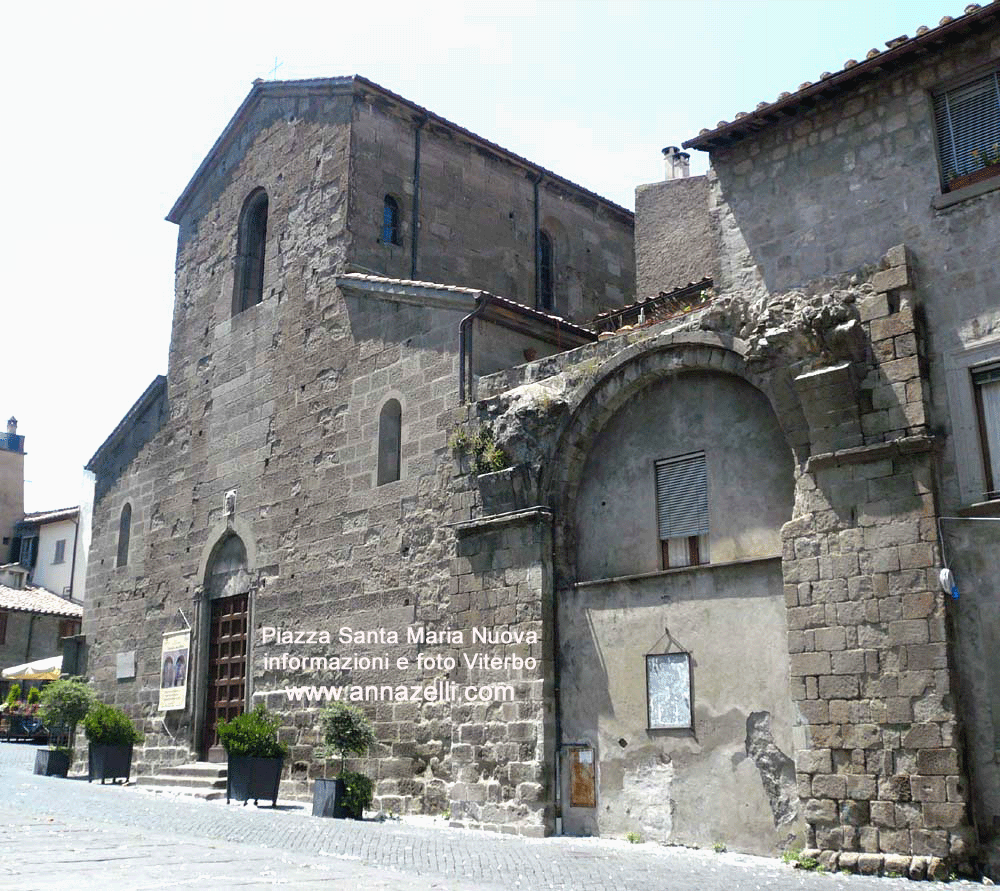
(14, 697)
(65, 704)
(346, 730)
(252, 734)
(33, 696)
(106, 725)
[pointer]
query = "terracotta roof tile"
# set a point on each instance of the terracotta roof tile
(38, 600)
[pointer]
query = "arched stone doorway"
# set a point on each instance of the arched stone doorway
(225, 627)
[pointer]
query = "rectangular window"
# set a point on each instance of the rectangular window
(3, 627)
(68, 628)
(968, 132)
(60, 551)
(682, 510)
(986, 382)
(29, 551)
(668, 691)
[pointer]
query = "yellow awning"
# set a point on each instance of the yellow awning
(40, 670)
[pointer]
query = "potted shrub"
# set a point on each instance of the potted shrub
(255, 756)
(346, 730)
(62, 705)
(111, 736)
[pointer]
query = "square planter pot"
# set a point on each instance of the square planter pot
(248, 777)
(51, 764)
(109, 762)
(328, 798)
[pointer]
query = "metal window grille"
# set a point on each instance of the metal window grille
(390, 221)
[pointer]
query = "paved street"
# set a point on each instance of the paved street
(66, 834)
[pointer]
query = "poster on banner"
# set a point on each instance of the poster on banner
(174, 658)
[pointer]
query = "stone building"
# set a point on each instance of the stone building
(349, 264)
(752, 489)
(704, 547)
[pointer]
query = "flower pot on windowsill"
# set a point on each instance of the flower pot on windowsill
(249, 777)
(51, 763)
(977, 176)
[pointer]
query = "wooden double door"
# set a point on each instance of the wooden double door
(226, 691)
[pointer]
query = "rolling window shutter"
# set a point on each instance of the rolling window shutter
(968, 120)
(682, 496)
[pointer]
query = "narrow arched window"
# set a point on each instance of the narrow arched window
(124, 533)
(546, 272)
(390, 430)
(249, 282)
(390, 221)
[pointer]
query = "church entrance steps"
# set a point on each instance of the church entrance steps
(199, 779)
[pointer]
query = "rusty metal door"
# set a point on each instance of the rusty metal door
(227, 666)
(582, 778)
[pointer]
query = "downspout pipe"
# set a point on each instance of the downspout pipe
(72, 569)
(465, 352)
(538, 268)
(414, 235)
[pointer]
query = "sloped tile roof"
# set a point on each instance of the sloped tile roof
(898, 51)
(38, 600)
(50, 516)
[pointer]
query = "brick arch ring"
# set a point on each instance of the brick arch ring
(594, 403)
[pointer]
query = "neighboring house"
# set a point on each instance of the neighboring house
(33, 621)
(701, 551)
(50, 546)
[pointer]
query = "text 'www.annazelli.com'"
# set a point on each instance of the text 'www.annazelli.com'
(441, 691)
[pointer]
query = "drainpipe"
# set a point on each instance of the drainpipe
(416, 198)
(72, 569)
(538, 269)
(31, 628)
(463, 333)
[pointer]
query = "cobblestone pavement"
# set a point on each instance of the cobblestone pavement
(70, 834)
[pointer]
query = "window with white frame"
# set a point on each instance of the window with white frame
(968, 131)
(682, 510)
(986, 384)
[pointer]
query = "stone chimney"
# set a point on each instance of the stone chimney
(677, 163)
(12, 426)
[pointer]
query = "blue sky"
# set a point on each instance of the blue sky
(111, 107)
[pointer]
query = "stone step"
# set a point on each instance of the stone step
(198, 769)
(186, 781)
(146, 784)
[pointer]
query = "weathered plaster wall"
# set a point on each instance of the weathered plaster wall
(477, 218)
(731, 778)
(817, 195)
(675, 242)
(30, 636)
(749, 469)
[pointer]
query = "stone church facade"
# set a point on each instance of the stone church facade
(701, 549)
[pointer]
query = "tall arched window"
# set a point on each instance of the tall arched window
(390, 430)
(390, 221)
(249, 283)
(124, 533)
(546, 272)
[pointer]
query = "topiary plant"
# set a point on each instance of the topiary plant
(254, 734)
(14, 697)
(65, 704)
(346, 730)
(33, 696)
(106, 725)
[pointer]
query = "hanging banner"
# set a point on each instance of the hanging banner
(174, 659)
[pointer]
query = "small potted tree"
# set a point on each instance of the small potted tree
(346, 730)
(255, 756)
(111, 736)
(63, 705)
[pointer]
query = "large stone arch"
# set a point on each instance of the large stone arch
(636, 367)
